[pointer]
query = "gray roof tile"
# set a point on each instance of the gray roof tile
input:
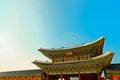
(20, 73)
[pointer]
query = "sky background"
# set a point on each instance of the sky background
(27, 25)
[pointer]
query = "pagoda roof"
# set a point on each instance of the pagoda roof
(93, 48)
(20, 73)
(91, 66)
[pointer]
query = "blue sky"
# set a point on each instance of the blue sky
(27, 25)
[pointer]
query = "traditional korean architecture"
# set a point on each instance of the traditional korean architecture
(84, 62)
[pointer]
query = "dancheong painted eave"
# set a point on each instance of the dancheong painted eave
(84, 66)
(93, 48)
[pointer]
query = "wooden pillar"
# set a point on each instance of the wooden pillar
(98, 75)
(61, 76)
(14, 78)
(19, 77)
(111, 76)
(47, 77)
(26, 78)
(32, 77)
(79, 77)
(68, 77)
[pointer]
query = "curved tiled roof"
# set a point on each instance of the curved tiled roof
(93, 48)
(95, 64)
(113, 68)
(71, 47)
(20, 73)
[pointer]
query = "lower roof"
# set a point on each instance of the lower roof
(20, 73)
(115, 67)
(94, 65)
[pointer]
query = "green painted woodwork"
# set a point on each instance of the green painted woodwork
(113, 72)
